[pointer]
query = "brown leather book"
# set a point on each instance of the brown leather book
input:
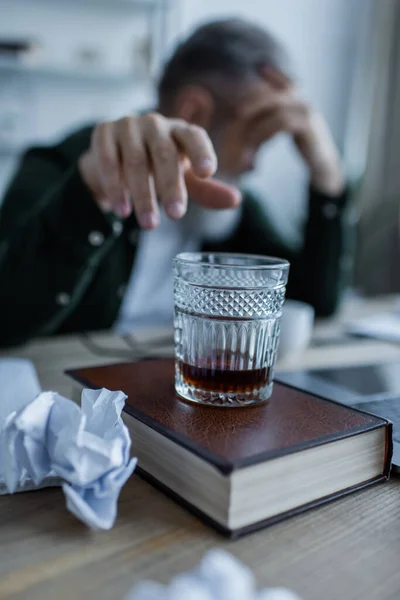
(245, 468)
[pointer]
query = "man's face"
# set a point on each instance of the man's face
(238, 138)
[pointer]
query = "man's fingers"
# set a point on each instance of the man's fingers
(291, 118)
(260, 108)
(277, 79)
(270, 126)
(106, 158)
(165, 164)
(136, 174)
(125, 205)
(288, 116)
(269, 97)
(211, 193)
(194, 142)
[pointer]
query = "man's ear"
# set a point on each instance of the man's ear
(195, 105)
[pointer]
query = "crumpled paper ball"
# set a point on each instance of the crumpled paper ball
(219, 576)
(88, 448)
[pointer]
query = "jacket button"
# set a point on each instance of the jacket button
(63, 299)
(96, 238)
(117, 228)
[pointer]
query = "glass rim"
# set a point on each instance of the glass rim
(267, 263)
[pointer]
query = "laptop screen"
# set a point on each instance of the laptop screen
(365, 380)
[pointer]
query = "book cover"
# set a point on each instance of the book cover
(232, 438)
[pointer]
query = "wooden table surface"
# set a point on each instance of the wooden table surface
(347, 550)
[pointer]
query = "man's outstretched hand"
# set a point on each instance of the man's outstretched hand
(136, 161)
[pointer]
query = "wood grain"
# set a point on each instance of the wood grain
(348, 549)
(345, 550)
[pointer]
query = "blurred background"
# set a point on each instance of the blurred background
(64, 64)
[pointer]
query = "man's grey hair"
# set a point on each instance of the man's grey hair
(219, 51)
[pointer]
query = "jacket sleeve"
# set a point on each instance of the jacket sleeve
(52, 237)
(322, 270)
(319, 270)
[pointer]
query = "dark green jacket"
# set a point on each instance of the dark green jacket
(64, 264)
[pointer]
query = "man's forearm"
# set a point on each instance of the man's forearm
(327, 242)
(319, 151)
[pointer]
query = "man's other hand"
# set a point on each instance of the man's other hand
(280, 109)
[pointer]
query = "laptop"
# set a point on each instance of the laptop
(373, 388)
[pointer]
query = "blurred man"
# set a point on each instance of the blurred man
(88, 228)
